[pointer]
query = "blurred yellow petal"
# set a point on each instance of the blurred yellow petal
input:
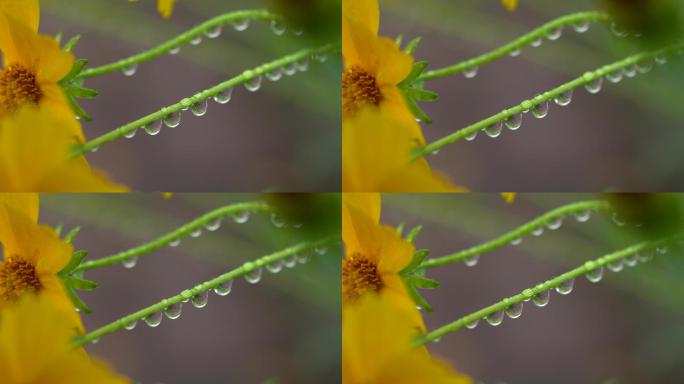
(26, 203)
(165, 8)
(369, 203)
(25, 11)
(508, 197)
(365, 12)
(511, 5)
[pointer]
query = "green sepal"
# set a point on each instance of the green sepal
(81, 92)
(398, 40)
(400, 228)
(78, 303)
(71, 44)
(416, 71)
(58, 38)
(58, 230)
(414, 90)
(417, 112)
(422, 282)
(69, 238)
(76, 69)
(422, 94)
(73, 88)
(418, 299)
(418, 258)
(75, 261)
(80, 112)
(413, 233)
(412, 45)
(81, 284)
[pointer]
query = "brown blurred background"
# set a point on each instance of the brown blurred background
(285, 329)
(628, 137)
(627, 329)
(264, 140)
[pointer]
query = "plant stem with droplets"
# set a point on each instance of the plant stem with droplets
(200, 288)
(507, 238)
(200, 96)
(251, 14)
(526, 105)
(521, 42)
(176, 234)
(529, 293)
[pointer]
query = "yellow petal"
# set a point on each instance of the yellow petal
(511, 5)
(26, 203)
(365, 12)
(368, 203)
(25, 11)
(508, 197)
(165, 8)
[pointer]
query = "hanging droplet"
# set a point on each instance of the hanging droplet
(130, 262)
(472, 324)
(196, 233)
(617, 31)
(514, 122)
(515, 52)
(240, 24)
(290, 69)
(254, 276)
(173, 119)
(196, 40)
(616, 265)
(224, 96)
(495, 318)
(224, 288)
(540, 110)
(321, 250)
(517, 241)
(595, 275)
(645, 66)
(594, 86)
(554, 223)
(615, 76)
(583, 216)
(471, 261)
(470, 72)
(174, 50)
(253, 84)
(154, 319)
(213, 32)
(321, 57)
(661, 59)
(200, 300)
(275, 266)
(514, 310)
(303, 257)
(541, 299)
(538, 231)
(619, 221)
(277, 221)
(564, 98)
(175, 243)
(130, 134)
(130, 70)
(554, 34)
(494, 130)
(471, 136)
(581, 26)
(537, 42)
(131, 326)
(278, 27)
(275, 74)
(645, 256)
(241, 217)
(214, 224)
(302, 64)
(630, 70)
(173, 311)
(199, 108)
(632, 260)
(566, 287)
(290, 261)
(662, 249)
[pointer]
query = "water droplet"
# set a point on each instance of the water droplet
(253, 84)
(472, 324)
(661, 59)
(470, 72)
(224, 96)
(538, 231)
(542, 298)
(254, 276)
(196, 233)
(619, 221)
(174, 50)
(200, 300)
(224, 288)
(175, 243)
(471, 261)
(537, 42)
(153, 320)
(554, 223)
(616, 265)
(494, 130)
(302, 64)
(321, 250)
(130, 70)
(583, 216)
(495, 318)
(594, 86)
(173, 119)
(540, 110)
(645, 256)
(554, 34)
(130, 262)
(173, 311)
(632, 260)
(581, 26)
(213, 32)
(662, 250)
(564, 98)
(566, 287)
(131, 326)
(645, 66)
(200, 108)
(630, 70)
(275, 74)
(275, 266)
(517, 241)
(514, 310)
(617, 31)
(595, 275)
(214, 224)
(278, 27)
(241, 217)
(290, 69)
(437, 340)
(615, 76)
(153, 128)
(515, 53)
(290, 261)
(277, 221)
(303, 257)
(130, 134)
(471, 136)
(240, 24)
(196, 40)
(514, 122)
(321, 57)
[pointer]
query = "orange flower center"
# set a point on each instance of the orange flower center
(17, 276)
(18, 85)
(359, 276)
(359, 88)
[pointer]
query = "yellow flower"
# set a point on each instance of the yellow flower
(33, 64)
(34, 146)
(511, 5)
(376, 156)
(376, 348)
(374, 256)
(33, 255)
(165, 8)
(35, 339)
(508, 197)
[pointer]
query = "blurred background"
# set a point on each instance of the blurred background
(626, 329)
(628, 137)
(258, 141)
(285, 329)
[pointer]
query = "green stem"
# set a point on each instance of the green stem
(517, 233)
(198, 223)
(529, 293)
(252, 14)
(200, 96)
(516, 44)
(187, 294)
(526, 105)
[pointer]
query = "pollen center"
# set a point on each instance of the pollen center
(17, 277)
(359, 275)
(17, 86)
(359, 88)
